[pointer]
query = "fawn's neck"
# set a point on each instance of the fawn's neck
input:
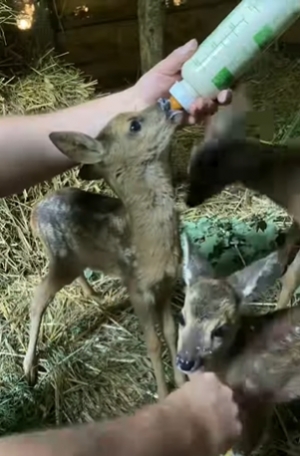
(153, 219)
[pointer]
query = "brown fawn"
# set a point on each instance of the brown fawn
(257, 356)
(134, 237)
(227, 157)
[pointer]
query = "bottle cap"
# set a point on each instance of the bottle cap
(184, 94)
(175, 105)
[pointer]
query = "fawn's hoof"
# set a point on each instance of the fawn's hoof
(30, 372)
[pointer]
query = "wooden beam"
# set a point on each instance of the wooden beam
(43, 28)
(292, 35)
(71, 14)
(151, 32)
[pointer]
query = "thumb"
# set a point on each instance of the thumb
(174, 61)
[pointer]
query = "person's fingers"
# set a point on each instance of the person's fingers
(173, 62)
(228, 392)
(210, 105)
(191, 120)
(198, 105)
(224, 97)
(203, 107)
(239, 427)
(234, 409)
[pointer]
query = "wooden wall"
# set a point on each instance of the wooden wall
(103, 41)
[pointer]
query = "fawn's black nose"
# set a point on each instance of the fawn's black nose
(184, 364)
(165, 105)
(175, 116)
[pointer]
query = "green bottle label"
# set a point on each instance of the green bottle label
(223, 79)
(264, 37)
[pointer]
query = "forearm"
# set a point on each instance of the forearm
(28, 156)
(155, 430)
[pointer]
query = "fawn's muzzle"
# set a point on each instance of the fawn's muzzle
(173, 115)
(187, 364)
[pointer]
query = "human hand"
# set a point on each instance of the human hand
(156, 84)
(209, 405)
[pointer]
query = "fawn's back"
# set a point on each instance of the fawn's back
(265, 357)
(81, 229)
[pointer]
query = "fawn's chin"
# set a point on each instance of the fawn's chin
(199, 368)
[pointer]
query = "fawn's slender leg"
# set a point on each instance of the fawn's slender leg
(170, 335)
(147, 315)
(87, 289)
(44, 293)
(290, 282)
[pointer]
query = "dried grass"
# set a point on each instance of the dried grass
(93, 358)
(49, 86)
(7, 17)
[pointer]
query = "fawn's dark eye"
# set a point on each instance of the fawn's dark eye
(181, 319)
(220, 331)
(135, 126)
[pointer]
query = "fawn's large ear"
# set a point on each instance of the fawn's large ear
(194, 263)
(79, 147)
(256, 278)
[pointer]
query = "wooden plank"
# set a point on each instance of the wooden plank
(73, 13)
(110, 52)
(151, 17)
(67, 7)
(120, 39)
(106, 43)
(78, 13)
(113, 77)
(292, 35)
(197, 24)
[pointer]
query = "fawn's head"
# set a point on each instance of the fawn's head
(212, 307)
(218, 160)
(129, 143)
(216, 164)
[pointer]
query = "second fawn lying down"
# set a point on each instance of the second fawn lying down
(257, 356)
(134, 237)
(227, 157)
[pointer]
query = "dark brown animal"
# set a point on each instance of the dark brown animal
(227, 157)
(257, 356)
(134, 237)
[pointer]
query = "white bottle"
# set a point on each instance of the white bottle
(222, 57)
